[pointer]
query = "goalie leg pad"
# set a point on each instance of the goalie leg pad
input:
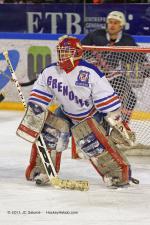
(91, 137)
(36, 166)
(32, 122)
(56, 133)
(56, 136)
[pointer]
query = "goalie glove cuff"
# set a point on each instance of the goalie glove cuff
(113, 117)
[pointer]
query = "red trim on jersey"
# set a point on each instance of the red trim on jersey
(107, 102)
(40, 97)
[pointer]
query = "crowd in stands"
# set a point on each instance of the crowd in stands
(75, 1)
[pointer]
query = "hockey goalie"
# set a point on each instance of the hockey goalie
(89, 110)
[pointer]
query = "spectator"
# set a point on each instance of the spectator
(114, 35)
(144, 26)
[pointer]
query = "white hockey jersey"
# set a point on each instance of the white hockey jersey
(81, 92)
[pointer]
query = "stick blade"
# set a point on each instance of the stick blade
(70, 184)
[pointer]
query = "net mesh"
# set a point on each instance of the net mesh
(128, 71)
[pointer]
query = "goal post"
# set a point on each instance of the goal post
(128, 71)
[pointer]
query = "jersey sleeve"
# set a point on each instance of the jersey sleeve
(104, 97)
(41, 93)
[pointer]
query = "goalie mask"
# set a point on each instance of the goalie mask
(69, 52)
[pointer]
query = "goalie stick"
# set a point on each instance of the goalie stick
(42, 149)
(22, 84)
(2, 97)
(25, 84)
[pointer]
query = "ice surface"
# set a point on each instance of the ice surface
(23, 203)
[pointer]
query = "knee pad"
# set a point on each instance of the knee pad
(56, 133)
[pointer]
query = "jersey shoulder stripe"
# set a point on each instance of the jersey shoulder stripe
(91, 66)
(51, 65)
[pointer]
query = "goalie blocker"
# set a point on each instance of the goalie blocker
(106, 158)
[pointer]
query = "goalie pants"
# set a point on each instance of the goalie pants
(98, 117)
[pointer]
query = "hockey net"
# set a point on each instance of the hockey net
(128, 71)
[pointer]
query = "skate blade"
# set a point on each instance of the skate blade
(38, 182)
(134, 180)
